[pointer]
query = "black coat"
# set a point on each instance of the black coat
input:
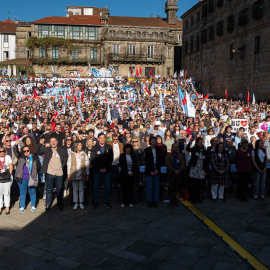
(101, 161)
(149, 160)
(123, 164)
(194, 157)
(47, 152)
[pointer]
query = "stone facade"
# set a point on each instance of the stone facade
(123, 42)
(226, 45)
(23, 32)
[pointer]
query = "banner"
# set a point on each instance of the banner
(265, 126)
(237, 123)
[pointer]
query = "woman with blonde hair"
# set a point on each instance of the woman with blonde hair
(6, 168)
(78, 173)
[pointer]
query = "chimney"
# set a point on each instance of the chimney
(171, 7)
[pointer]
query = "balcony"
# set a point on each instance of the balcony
(138, 58)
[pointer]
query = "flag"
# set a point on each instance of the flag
(151, 71)
(182, 100)
(204, 109)
(89, 66)
(140, 69)
(4, 71)
(131, 71)
(82, 96)
(175, 75)
(181, 74)
(248, 97)
(185, 73)
(111, 68)
(137, 72)
(52, 68)
(50, 105)
(80, 112)
(253, 100)
(35, 93)
(95, 72)
(161, 103)
(109, 118)
(63, 111)
(75, 99)
(206, 97)
(191, 111)
(226, 93)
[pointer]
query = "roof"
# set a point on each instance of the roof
(18, 61)
(19, 23)
(142, 21)
(8, 21)
(7, 28)
(195, 7)
(72, 20)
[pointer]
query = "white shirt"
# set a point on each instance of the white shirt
(116, 154)
(8, 161)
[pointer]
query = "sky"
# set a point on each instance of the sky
(30, 10)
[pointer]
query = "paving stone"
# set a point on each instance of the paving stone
(33, 251)
(32, 265)
(15, 260)
(143, 248)
(67, 263)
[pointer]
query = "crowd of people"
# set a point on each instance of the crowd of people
(104, 133)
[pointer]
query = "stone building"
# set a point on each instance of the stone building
(100, 39)
(226, 45)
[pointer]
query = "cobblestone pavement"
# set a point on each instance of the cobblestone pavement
(132, 238)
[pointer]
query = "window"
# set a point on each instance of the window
(131, 49)
(257, 45)
(243, 17)
(60, 31)
(211, 6)
(150, 51)
(155, 35)
(219, 3)
(168, 72)
(41, 52)
(44, 31)
(169, 52)
(93, 55)
(198, 16)
(6, 55)
(29, 34)
(180, 37)
(219, 29)
(186, 26)
(75, 54)
(91, 33)
(76, 32)
(230, 24)
(231, 52)
(211, 33)
(116, 48)
(192, 21)
(191, 45)
(55, 53)
(257, 10)
(204, 36)
(147, 71)
(204, 10)
(198, 44)
(5, 38)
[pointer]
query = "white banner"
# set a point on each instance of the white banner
(237, 123)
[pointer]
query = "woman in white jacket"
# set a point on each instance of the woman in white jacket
(78, 173)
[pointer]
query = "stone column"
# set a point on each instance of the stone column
(14, 70)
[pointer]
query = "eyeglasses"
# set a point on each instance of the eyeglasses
(26, 151)
(115, 139)
(48, 129)
(69, 139)
(135, 141)
(127, 133)
(2, 151)
(8, 141)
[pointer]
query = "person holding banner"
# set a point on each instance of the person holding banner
(260, 161)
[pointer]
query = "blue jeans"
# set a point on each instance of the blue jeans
(41, 176)
(107, 186)
(51, 182)
(23, 190)
(152, 188)
(259, 180)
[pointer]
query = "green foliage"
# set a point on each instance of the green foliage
(49, 42)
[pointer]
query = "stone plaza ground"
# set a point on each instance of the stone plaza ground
(133, 238)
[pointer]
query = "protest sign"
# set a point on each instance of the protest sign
(237, 123)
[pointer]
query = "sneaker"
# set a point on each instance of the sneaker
(213, 200)
(122, 205)
(44, 197)
(21, 210)
(255, 198)
(262, 197)
(81, 206)
(95, 205)
(33, 209)
(222, 200)
(130, 205)
(108, 205)
(75, 207)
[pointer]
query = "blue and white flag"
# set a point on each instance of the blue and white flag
(95, 72)
(89, 66)
(52, 68)
(4, 71)
(253, 100)
(109, 118)
(161, 103)
(111, 68)
(80, 112)
(191, 111)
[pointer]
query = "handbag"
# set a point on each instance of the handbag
(5, 176)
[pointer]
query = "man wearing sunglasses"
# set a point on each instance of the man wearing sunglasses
(55, 159)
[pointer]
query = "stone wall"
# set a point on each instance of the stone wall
(230, 60)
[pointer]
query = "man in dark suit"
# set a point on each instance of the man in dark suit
(101, 162)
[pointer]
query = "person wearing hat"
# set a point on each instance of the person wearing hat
(157, 130)
(243, 163)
